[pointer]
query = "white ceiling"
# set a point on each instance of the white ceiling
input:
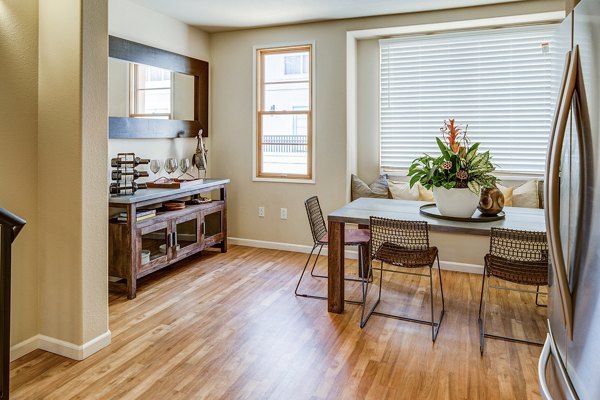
(221, 15)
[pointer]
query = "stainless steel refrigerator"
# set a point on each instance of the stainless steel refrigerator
(569, 366)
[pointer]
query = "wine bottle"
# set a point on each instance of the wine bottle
(132, 187)
(118, 175)
(120, 162)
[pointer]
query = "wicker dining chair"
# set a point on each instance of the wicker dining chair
(403, 244)
(352, 237)
(515, 256)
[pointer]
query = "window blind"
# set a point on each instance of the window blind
(498, 81)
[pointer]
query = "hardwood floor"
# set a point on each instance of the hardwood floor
(228, 326)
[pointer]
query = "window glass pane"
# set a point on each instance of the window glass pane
(281, 67)
(156, 101)
(286, 96)
(497, 81)
(152, 90)
(285, 144)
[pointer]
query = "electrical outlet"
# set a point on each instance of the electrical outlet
(283, 213)
(261, 212)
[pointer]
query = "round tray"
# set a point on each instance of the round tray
(430, 210)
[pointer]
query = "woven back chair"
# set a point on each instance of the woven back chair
(515, 256)
(315, 219)
(518, 256)
(318, 229)
(404, 244)
(401, 243)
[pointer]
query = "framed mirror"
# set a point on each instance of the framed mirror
(155, 93)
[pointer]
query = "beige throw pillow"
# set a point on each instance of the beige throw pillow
(526, 195)
(378, 189)
(403, 191)
(508, 194)
(424, 193)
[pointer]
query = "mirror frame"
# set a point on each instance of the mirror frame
(149, 128)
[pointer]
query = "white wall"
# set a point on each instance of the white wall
(232, 81)
(130, 21)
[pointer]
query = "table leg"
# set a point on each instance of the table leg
(335, 259)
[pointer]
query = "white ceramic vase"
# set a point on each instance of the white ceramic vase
(455, 202)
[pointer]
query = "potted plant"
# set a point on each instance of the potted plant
(457, 175)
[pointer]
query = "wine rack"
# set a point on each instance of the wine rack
(124, 174)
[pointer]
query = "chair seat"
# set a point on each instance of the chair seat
(524, 273)
(352, 237)
(394, 254)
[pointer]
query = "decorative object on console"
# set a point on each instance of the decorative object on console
(171, 165)
(199, 157)
(125, 174)
(457, 175)
(491, 201)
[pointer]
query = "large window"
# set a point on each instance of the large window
(151, 92)
(498, 81)
(284, 113)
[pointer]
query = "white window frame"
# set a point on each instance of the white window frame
(255, 88)
(133, 91)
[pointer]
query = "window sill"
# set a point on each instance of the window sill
(283, 180)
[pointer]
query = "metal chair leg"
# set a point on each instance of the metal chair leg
(482, 318)
(312, 271)
(302, 275)
(537, 294)
(482, 285)
(432, 306)
(363, 320)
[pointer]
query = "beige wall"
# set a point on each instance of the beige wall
(72, 251)
(18, 150)
(130, 21)
(232, 81)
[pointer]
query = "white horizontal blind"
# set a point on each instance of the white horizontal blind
(498, 81)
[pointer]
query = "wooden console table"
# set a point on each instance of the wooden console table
(169, 236)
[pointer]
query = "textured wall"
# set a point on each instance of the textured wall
(18, 150)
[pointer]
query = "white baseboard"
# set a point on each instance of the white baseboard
(352, 254)
(60, 347)
(24, 347)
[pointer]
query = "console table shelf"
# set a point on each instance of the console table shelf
(169, 236)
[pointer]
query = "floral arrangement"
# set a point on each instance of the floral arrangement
(459, 165)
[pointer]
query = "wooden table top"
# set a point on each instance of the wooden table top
(359, 211)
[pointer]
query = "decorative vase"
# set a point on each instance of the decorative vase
(455, 202)
(491, 201)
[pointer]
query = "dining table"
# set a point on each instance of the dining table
(360, 210)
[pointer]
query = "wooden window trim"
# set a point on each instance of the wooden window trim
(260, 109)
(133, 107)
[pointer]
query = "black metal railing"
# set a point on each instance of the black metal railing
(10, 226)
(285, 144)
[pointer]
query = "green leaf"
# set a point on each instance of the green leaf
(414, 180)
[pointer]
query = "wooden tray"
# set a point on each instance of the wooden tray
(430, 210)
(173, 183)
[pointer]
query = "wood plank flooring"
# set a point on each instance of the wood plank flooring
(228, 326)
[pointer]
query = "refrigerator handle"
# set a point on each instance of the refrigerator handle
(552, 193)
(544, 358)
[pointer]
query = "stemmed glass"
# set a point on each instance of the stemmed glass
(170, 165)
(155, 166)
(184, 166)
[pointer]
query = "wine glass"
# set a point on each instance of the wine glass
(184, 165)
(170, 165)
(155, 166)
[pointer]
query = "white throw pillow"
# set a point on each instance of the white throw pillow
(403, 191)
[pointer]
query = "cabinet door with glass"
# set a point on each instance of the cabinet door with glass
(154, 244)
(187, 236)
(212, 225)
